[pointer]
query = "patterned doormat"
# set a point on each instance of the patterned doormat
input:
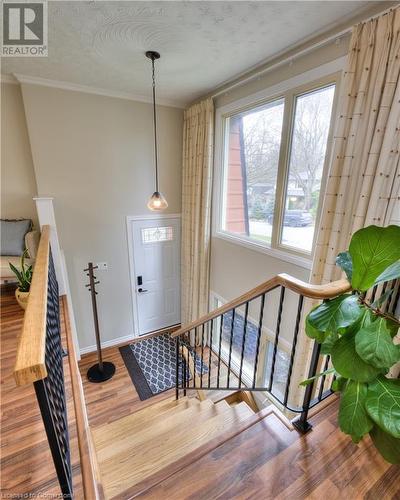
(151, 364)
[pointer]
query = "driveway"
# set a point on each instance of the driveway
(297, 237)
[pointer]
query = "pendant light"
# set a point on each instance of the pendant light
(157, 202)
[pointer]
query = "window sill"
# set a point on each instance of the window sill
(297, 260)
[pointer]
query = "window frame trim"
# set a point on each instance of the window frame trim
(322, 76)
(283, 174)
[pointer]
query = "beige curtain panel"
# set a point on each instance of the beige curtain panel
(198, 131)
(363, 183)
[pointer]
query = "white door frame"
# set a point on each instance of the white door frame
(132, 273)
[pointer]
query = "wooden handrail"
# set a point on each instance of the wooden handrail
(317, 292)
(30, 360)
(91, 480)
(30, 363)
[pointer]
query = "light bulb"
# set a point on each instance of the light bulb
(157, 202)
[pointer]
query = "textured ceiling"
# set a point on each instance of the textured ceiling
(202, 44)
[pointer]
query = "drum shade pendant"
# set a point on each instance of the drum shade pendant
(157, 202)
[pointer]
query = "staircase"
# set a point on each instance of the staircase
(137, 451)
(141, 451)
(203, 448)
(203, 451)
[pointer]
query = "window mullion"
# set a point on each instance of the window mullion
(327, 161)
(282, 169)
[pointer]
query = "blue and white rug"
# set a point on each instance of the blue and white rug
(151, 364)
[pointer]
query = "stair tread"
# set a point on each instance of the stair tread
(252, 464)
(221, 405)
(139, 421)
(116, 441)
(143, 454)
(244, 408)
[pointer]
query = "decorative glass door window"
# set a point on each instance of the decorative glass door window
(157, 234)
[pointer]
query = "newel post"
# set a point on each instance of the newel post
(45, 211)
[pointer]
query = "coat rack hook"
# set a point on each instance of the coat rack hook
(103, 370)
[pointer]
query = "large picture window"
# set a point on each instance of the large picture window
(273, 163)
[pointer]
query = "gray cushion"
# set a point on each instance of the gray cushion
(13, 236)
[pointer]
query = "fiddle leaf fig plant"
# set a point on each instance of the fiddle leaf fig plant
(359, 337)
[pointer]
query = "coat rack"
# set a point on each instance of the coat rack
(103, 370)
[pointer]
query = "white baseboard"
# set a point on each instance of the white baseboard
(107, 343)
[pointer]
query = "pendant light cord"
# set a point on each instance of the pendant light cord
(155, 121)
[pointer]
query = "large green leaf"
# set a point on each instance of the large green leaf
(388, 446)
(383, 404)
(349, 364)
(393, 327)
(313, 332)
(344, 261)
(335, 314)
(16, 272)
(390, 273)
(375, 346)
(372, 250)
(339, 383)
(328, 343)
(353, 418)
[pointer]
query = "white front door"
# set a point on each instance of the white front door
(156, 277)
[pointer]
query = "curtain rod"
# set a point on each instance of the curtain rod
(296, 55)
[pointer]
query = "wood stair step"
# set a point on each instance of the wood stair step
(140, 419)
(243, 466)
(118, 440)
(142, 454)
(235, 397)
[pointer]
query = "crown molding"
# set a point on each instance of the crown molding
(76, 87)
(332, 33)
(7, 78)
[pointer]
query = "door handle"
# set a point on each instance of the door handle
(142, 290)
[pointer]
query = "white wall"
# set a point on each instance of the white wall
(18, 184)
(94, 155)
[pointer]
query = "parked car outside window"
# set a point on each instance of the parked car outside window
(295, 218)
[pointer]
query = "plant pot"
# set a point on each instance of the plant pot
(22, 298)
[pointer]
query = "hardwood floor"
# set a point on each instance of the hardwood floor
(266, 461)
(116, 397)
